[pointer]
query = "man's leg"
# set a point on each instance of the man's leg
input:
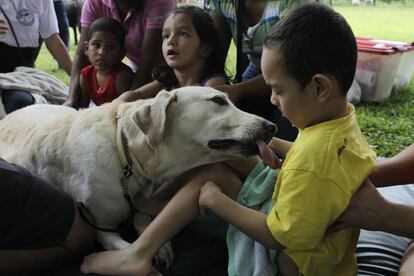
(80, 239)
(40, 225)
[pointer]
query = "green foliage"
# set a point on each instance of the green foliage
(388, 126)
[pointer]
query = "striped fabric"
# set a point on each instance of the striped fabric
(380, 253)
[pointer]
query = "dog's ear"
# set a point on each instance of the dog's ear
(151, 118)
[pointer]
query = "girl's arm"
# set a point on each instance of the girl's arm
(249, 221)
(59, 52)
(124, 80)
(147, 91)
(150, 49)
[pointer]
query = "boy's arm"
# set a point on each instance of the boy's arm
(280, 146)
(124, 80)
(249, 221)
(79, 62)
(84, 98)
(147, 91)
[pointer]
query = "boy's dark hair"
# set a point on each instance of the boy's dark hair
(315, 39)
(107, 24)
(207, 32)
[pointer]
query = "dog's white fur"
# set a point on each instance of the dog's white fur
(166, 136)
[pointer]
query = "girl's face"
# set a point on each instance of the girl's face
(104, 51)
(181, 45)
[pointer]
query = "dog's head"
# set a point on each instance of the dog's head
(189, 127)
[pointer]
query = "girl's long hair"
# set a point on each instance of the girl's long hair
(207, 32)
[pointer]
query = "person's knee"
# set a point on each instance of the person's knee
(16, 99)
(407, 265)
(81, 236)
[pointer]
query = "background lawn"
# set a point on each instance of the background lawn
(388, 126)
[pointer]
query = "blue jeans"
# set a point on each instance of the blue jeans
(15, 99)
(251, 72)
(63, 23)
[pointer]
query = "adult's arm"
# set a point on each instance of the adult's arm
(255, 87)
(396, 170)
(124, 80)
(369, 210)
(58, 50)
(149, 51)
(79, 61)
(223, 30)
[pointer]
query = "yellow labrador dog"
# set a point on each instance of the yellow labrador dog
(103, 156)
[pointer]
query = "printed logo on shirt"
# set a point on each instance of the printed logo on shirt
(25, 17)
(341, 149)
(158, 18)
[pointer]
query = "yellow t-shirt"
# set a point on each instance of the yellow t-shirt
(324, 166)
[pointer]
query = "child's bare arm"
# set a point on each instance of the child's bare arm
(84, 98)
(144, 92)
(215, 81)
(124, 80)
(280, 146)
(249, 221)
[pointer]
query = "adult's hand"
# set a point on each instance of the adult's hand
(367, 209)
(4, 27)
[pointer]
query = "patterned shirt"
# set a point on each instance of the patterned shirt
(254, 37)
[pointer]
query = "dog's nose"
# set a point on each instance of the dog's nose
(269, 127)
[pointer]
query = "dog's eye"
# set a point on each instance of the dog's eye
(219, 100)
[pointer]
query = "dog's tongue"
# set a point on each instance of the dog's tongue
(268, 156)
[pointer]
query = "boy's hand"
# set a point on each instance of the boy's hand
(268, 156)
(208, 194)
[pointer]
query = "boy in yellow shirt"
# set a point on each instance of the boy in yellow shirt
(309, 60)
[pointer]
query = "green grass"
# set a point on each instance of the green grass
(388, 125)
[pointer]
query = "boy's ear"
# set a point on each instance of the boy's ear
(322, 86)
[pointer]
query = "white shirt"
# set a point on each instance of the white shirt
(29, 18)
